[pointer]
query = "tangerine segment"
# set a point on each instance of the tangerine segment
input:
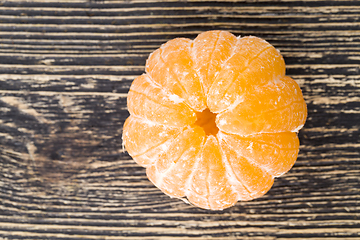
(255, 180)
(144, 97)
(145, 140)
(172, 169)
(171, 67)
(254, 63)
(273, 153)
(209, 186)
(210, 50)
(277, 107)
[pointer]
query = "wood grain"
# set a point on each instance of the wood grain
(65, 69)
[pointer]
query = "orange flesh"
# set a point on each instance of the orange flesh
(206, 120)
(214, 119)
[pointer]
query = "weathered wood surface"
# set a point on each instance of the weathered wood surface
(65, 69)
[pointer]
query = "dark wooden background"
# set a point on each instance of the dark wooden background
(65, 69)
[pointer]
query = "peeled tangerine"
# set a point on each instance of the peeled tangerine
(214, 119)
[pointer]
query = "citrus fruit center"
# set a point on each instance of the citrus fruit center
(206, 120)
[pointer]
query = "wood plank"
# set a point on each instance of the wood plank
(65, 70)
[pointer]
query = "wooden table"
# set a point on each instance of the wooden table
(65, 70)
